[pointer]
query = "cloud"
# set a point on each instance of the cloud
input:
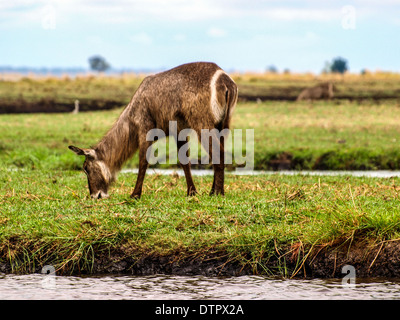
(180, 37)
(142, 38)
(287, 42)
(216, 32)
(124, 11)
(301, 14)
(179, 10)
(287, 33)
(143, 10)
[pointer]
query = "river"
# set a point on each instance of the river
(166, 287)
(200, 172)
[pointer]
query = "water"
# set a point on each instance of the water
(197, 172)
(165, 287)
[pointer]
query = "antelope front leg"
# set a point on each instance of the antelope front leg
(218, 183)
(191, 189)
(143, 163)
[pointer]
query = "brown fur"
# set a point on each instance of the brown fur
(182, 94)
(320, 91)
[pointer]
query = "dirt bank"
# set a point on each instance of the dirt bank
(381, 260)
(52, 106)
(378, 260)
(48, 105)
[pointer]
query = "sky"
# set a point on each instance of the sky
(239, 35)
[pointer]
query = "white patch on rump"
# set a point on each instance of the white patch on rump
(216, 109)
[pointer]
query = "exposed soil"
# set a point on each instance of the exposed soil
(52, 106)
(379, 260)
(323, 262)
(284, 97)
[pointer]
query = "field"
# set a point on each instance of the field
(288, 135)
(267, 224)
(100, 92)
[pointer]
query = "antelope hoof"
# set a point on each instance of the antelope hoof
(99, 195)
(191, 192)
(135, 196)
(217, 192)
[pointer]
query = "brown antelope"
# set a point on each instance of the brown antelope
(321, 91)
(196, 95)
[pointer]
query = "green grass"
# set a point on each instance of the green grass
(47, 217)
(324, 135)
(40, 141)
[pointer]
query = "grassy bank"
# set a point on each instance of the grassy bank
(323, 135)
(288, 135)
(46, 217)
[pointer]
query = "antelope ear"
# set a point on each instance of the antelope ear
(90, 153)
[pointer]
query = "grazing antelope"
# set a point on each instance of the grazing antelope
(196, 95)
(320, 91)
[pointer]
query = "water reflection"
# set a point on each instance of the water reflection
(198, 172)
(37, 286)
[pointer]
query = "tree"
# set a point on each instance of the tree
(272, 69)
(98, 63)
(339, 65)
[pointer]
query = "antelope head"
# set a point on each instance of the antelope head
(97, 172)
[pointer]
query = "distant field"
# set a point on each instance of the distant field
(357, 87)
(59, 94)
(49, 94)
